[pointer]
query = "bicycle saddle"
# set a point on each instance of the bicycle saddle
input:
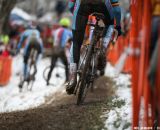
(98, 16)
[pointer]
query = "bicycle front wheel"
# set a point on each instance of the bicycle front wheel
(84, 83)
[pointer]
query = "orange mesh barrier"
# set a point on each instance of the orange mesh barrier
(5, 70)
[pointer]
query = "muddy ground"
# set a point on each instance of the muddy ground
(63, 113)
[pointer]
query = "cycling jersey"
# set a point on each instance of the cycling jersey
(27, 35)
(61, 36)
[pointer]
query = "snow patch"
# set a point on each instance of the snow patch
(12, 100)
(119, 118)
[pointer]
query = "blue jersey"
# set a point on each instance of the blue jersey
(27, 36)
(61, 36)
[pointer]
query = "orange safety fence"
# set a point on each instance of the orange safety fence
(119, 48)
(140, 34)
(5, 70)
(113, 54)
(144, 89)
(139, 39)
(134, 32)
(128, 64)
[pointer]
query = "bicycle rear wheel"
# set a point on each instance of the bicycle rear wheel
(58, 76)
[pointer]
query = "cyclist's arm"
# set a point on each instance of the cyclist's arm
(22, 39)
(70, 35)
(71, 5)
(117, 11)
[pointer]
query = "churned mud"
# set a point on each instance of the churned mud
(61, 112)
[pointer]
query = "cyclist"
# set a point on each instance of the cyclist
(62, 42)
(33, 40)
(81, 9)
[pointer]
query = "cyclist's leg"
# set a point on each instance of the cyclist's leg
(27, 50)
(53, 63)
(37, 47)
(101, 62)
(109, 22)
(79, 24)
(65, 62)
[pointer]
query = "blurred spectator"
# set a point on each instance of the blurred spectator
(4, 44)
(14, 36)
(47, 36)
(14, 31)
(60, 8)
(6, 51)
(4, 39)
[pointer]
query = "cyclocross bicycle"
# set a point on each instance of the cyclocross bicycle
(32, 70)
(87, 69)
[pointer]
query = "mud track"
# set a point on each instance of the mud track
(63, 113)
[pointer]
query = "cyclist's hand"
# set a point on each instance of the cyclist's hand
(118, 28)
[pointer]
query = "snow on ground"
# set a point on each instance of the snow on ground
(119, 118)
(12, 100)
